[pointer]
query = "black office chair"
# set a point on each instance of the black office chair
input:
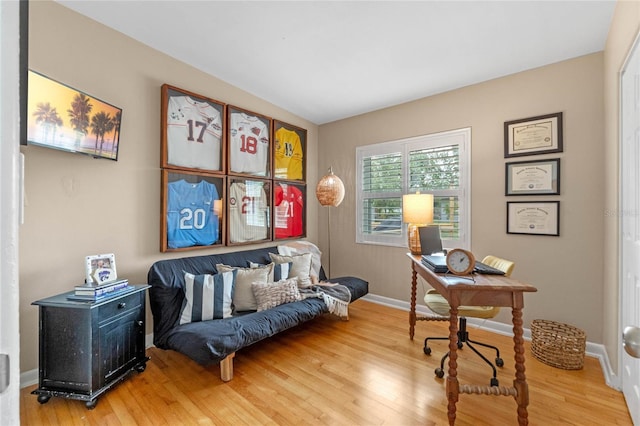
(440, 306)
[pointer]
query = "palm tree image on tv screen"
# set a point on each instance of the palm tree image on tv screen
(63, 118)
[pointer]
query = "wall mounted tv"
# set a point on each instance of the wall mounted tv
(64, 118)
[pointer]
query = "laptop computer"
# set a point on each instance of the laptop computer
(430, 241)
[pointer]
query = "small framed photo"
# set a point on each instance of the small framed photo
(289, 145)
(248, 140)
(100, 268)
(192, 131)
(289, 210)
(540, 177)
(533, 218)
(192, 210)
(248, 211)
(534, 135)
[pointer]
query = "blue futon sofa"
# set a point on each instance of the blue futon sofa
(216, 341)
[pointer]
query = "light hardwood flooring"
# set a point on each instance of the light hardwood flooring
(364, 371)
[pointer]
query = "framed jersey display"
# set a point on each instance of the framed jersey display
(289, 144)
(192, 210)
(289, 213)
(248, 142)
(192, 131)
(248, 210)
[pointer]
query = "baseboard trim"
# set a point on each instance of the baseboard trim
(594, 350)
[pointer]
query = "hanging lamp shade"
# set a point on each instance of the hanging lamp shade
(330, 190)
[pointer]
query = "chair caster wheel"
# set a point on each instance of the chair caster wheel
(439, 373)
(460, 345)
(494, 382)
(499, 362)
(427, 350)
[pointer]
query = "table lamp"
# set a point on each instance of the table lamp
(417, 210)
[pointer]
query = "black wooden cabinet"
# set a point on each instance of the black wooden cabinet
(88, 347)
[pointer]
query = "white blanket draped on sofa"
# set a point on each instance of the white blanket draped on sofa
(335, 296)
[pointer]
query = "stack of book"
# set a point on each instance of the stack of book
(100, 291)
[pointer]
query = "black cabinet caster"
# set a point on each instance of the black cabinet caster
(91, 404)
(43, 399)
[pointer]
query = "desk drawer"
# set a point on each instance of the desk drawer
(119, 306)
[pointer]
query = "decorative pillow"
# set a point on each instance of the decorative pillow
(207, 296)
(243, 298)
(278, 272)
(271, 295)
(300, 268)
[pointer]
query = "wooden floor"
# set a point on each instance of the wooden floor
(362, 372)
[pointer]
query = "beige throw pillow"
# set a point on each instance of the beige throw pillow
(270, 295)
(243, 298)
(300, 268)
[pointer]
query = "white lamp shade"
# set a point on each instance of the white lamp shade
(417, 208)
(330, 190)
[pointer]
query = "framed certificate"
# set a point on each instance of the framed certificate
(533, 218)
(532, 136)
(540, 177)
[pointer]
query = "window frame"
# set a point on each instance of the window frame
(461, 138)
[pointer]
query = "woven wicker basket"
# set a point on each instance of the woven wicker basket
(556, 344)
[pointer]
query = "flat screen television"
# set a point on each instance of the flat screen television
(64, 118)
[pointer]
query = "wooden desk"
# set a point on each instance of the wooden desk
(487, 290)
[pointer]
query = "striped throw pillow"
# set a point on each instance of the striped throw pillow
(207, 296)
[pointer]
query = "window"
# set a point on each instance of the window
(439, 164)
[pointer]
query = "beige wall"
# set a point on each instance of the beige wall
(624, 28)
(76, 205)
(567, 270)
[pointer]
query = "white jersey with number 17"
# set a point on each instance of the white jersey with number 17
(193, 133)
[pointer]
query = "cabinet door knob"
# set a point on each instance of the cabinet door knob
(140, 323)
(121, 305)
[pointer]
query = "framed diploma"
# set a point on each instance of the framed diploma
(532, 136)
(533, 177)
(533, 218)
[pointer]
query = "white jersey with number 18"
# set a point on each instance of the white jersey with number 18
(248, 144)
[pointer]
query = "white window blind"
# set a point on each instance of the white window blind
(437, 164)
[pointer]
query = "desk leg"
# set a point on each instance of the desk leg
(412, 312)
(520, 383)
(453, 388)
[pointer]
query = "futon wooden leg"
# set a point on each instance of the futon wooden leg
(226, 368)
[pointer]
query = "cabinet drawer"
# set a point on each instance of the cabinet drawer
(119, 306)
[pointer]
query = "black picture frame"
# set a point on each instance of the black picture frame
(533, 217)
(534, 135)
(538, 177)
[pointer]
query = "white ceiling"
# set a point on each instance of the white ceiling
(328, 60)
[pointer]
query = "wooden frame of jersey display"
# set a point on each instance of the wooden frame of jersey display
(193, 210)
(249, 143)
(193, 131)
(229, 176)
(289, 148)
(248, 210)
